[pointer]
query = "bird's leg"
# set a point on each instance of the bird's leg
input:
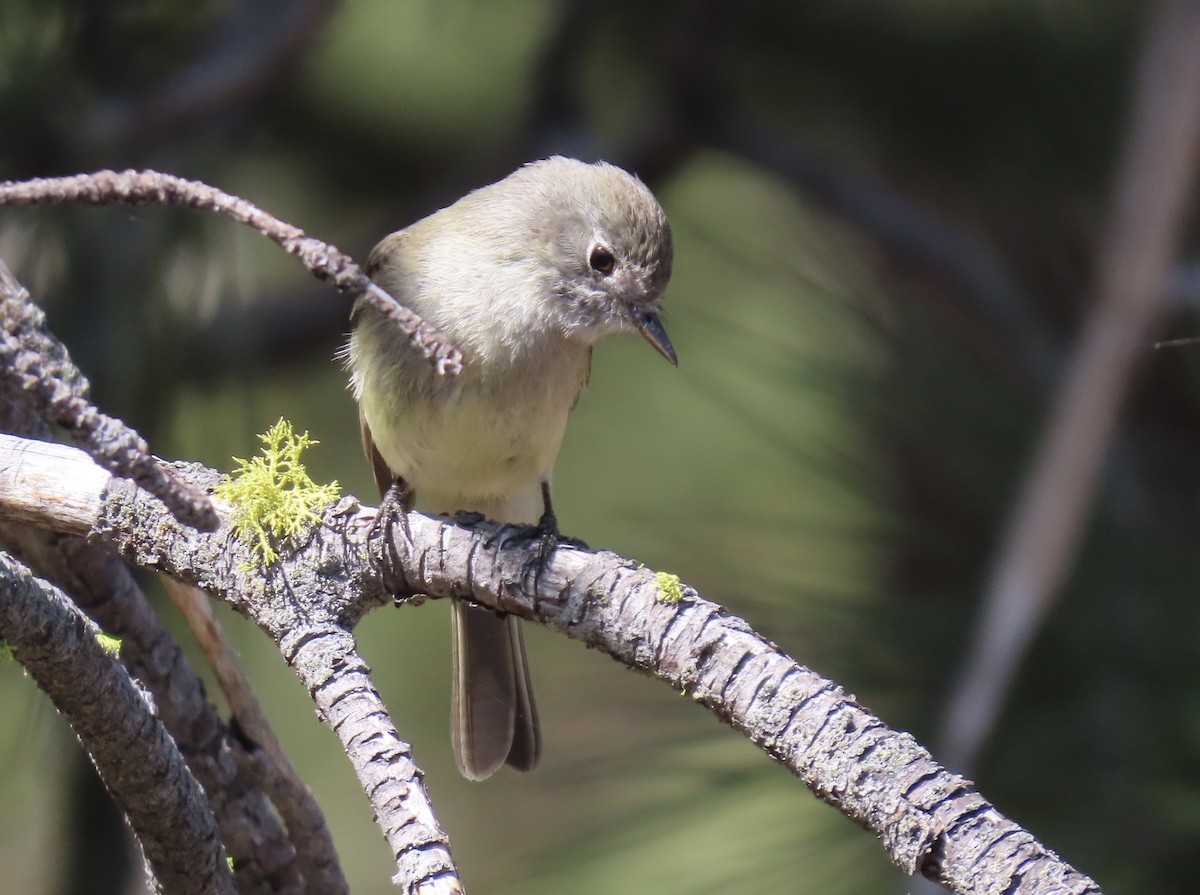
(395, 505)
(547, 537)
(547, 526)
(544, 536)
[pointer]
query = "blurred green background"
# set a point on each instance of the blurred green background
(886, 216)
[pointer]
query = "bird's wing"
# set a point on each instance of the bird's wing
(383, 475)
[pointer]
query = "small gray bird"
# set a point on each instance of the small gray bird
(524, 276)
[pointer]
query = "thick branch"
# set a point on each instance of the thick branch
(263, 759)
(101, 584)
(133, 752)
(303, 608)
(929, 820)
(340, 683)
(264, 858)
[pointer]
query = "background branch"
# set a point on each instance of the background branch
(255, 45)
(1153, 187)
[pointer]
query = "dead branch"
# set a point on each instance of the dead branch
(267, 858)
(36, 370)
(136, 757)
(265, 761)
(929, 820)
(324, 261)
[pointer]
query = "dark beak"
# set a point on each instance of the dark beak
(651, 327)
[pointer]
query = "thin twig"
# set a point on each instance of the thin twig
(324, 261)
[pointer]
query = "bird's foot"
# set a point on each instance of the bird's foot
(393, 508)
(546, 540)
(543, 537)
(396, 503)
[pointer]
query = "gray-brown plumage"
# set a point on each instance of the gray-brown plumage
(524, 276)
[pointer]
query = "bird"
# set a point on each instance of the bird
(524, 276)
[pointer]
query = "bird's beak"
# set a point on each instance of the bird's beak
(650, 326)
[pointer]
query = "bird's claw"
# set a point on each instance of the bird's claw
(546, 540)
(395, 505)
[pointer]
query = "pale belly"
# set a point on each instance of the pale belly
(467, 449)
(476, 449)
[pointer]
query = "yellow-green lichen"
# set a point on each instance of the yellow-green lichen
(668, 588)
(111, 645)
(272, 496)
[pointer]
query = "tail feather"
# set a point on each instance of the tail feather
(493, 718)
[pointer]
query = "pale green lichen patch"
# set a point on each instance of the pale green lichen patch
(668, 587)
(111, 645)
(272, 496)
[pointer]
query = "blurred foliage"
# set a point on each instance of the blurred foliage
(833, 459)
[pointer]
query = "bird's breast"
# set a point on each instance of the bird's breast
(488, 435)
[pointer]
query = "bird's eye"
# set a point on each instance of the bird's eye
(601, 260)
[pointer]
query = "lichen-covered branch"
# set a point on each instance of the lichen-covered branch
(305, 609)
(929, 820)
(134, 754)
(267, 858)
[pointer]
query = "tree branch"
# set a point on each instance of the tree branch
(36, 369)
(134, 754)
(264, 858)
(929, 820)
(296, 612)
(267, 858)
(264, 759)
(324, 261)
(254, 46)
